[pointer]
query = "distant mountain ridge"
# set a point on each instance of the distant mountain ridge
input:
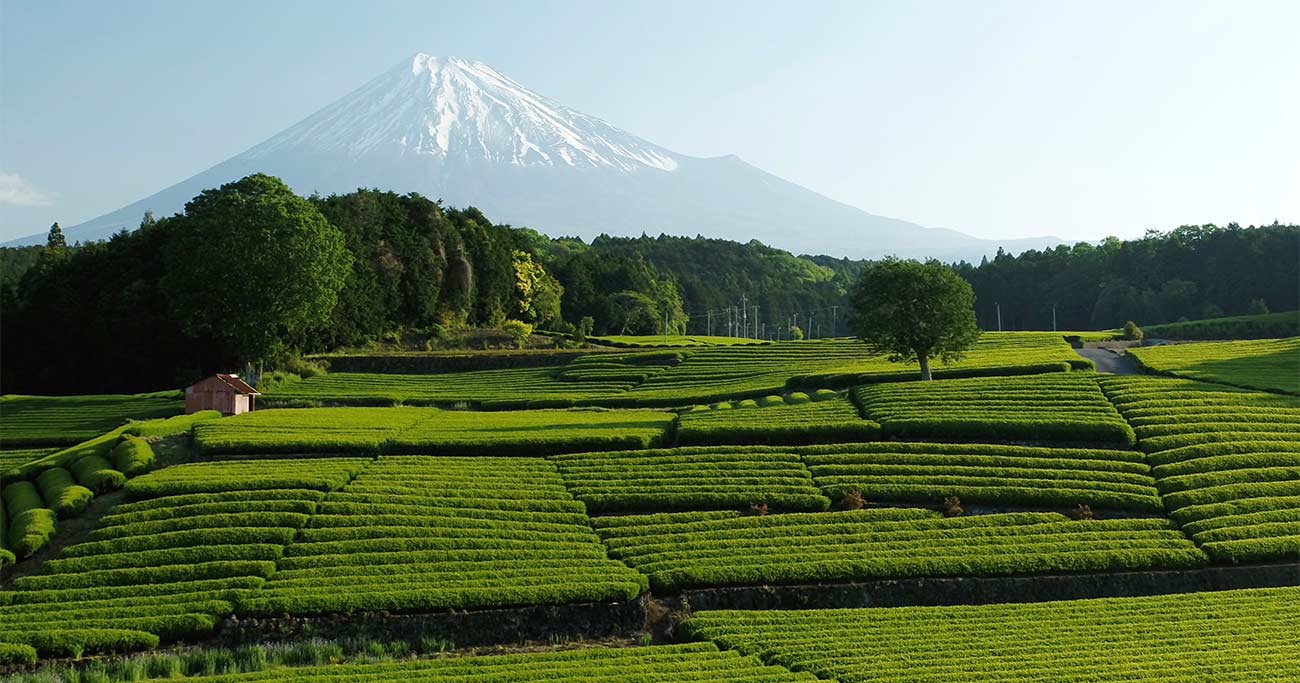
(461, 131)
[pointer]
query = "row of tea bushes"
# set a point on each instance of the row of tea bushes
(688, 663)
(171, 565)
(31, 508)
(1268, 364)
(688, 479)
(431, 431)
(989, 474)
(31, 421)
(1052, 407)
(415, 534)
(1226, 461)
(497, 389)
(1259, 326)
(887, 543)
(1242, 635)
(794, 419)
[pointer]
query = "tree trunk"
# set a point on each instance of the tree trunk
(925, 367)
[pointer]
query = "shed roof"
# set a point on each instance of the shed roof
(231, 383)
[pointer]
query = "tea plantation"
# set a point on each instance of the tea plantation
(671, 514)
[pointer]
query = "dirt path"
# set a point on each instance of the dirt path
(1110, 362)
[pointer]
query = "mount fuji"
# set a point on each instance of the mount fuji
(461, 131)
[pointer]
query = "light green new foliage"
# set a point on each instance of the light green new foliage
(799, 548)
(804, 422)
(1242, 635)
(1225, 461)
(415, 533)
(1055, 407)
(929, 473)
(1270, 364)
(430, 431)
(27, 421)
(171, 565)
(692, 662)
(689, 479)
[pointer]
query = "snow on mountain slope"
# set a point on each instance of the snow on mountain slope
(460, 131)
(457, 108)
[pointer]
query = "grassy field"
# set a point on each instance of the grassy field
(1244, 635)
(1269, 364)
(632, 341)
(40, 421)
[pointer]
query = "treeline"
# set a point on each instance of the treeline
(107, 317)
(1192, 272)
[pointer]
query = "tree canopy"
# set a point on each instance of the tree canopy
(252, 264)
(913, 311)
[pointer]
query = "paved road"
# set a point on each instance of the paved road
(1111, 362)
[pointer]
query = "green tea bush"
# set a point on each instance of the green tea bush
(806, 422)
(1269, 364)
(96, 474)
(62, 494)
(132, 456)
(1184, 636)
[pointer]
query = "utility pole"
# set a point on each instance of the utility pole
(744, 316)
(835, 312)
(756, 322)
(999, 307)
(810, 324)
(1053, 317)
(709, 314)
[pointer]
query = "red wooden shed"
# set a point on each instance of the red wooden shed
(226, 393)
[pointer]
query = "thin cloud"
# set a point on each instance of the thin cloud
(14, 191)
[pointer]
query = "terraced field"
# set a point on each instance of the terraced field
(885, 543)
(429, 430)
(32, 421)
(420, 534)
(1055, 407)
(796, 419)
(690, 663)
(1246, 635)
(172, 564)
(692, 375)
(929, 473)
(1226, 461)
(1268, 364)
(689, 479)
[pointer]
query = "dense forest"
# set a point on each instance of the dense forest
(107, 316)
(1191, 272)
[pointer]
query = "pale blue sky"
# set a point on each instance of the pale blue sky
(999, 118)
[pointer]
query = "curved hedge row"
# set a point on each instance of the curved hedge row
(869, 544)
(1056, 407)
(1226, 461)
(668, 480)
(416, 533)
(1243, 635)
(171, 566)
(825, 421)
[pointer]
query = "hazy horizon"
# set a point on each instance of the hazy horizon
(1002, 120)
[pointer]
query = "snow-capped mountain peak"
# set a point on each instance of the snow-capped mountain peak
(459, 109)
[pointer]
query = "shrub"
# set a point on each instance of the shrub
(17, 653)
(95, 473)
(824, 395)
(797, 398)
(1131, 332)
(132, 456)
(30, 531)
(62, 494)
(952, 507)
(518, 331)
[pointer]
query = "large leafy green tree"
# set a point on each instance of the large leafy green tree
(251, 264)
(913, 311)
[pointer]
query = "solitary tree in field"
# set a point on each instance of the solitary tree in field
(913, 311)
(252, 264)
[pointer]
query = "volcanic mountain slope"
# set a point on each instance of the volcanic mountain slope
(461, 131)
